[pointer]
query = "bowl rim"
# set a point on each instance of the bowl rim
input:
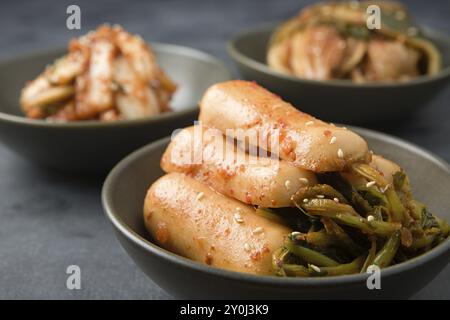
(157, 46)
(161, 253)
(244, 59)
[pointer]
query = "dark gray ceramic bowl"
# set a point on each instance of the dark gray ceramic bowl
(93, 145)
(339, 100)
(125, 188)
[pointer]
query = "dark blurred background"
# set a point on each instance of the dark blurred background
(206, 25)
(43, 229)
(202, 24)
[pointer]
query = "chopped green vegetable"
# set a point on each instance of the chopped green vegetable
(343, 240)
(326, 207)
(428, 220)
(339, 183)
(319, 190)
(346, 225)
(423, 242)
(345, 268)
(344, 214)
(309, 255)
(396, 208)
(370, 173)
(278, 259)
(373, 196)
(296, 270)
(385, 256)
(370, 256)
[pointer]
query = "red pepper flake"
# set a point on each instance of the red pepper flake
(327, 133)
(226, 173)
(162, 234)
(248, 197)
(208, 258)
(222, 173)
(288, 147)
(281, 123)
(255, 256)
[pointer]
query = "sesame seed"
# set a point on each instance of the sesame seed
(383, 190)
(258, 230)
(305, 200)
(238, 218)
(247, 247)
(340, 153)
(315, 268)
(345, 128)
(371, 151)
(370, 218)
(333, 140)
(287, 184)
(200, 196)
(238, 209)
(320, 196)
(304, 180)
(292, 198)
(336, 200)
(309, 123)
(370, 184)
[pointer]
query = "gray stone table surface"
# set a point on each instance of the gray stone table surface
(51, 220)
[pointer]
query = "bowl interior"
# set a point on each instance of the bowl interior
(253, 45)
(193, 71)
(126, 186)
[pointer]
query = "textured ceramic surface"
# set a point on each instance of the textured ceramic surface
(339, 100)
(126, 186)
(92, 145)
